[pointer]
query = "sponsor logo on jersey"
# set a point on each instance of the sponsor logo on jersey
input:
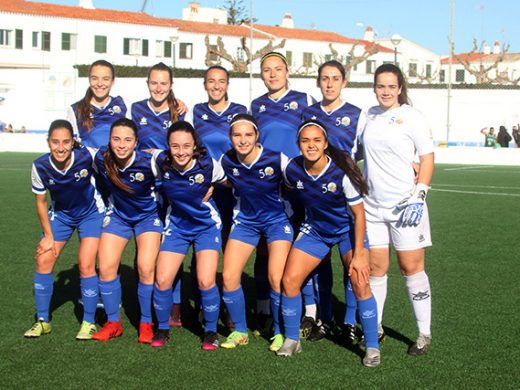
(332, 187)
(421, 238)
(156, 222)
(235, 172)
(368, 314)
(293, 105)
(314, 117)
(345, 121)
(199, 178)
(51, 182)
(116, 109)
(421, 296)
(287, 229)
(143, 121)
(262, 108)
(204, 117)
(106, 221)
(139, 176)
(90, 293)
(299, 185)
(269, 171)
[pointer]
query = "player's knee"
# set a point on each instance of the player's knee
(230, 281)
(162, 281)
(290, 285)
(206, 283)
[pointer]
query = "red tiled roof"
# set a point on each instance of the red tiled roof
(470, 57)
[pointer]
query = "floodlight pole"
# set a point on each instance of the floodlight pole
(250, 51)
(448, 111)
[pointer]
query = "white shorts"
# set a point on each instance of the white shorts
(383, 229)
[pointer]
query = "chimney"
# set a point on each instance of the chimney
(369, 34)
(496, 48)
(486, 49)
(287, 21)
(87, 4)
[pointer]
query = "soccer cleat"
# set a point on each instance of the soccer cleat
(306, 326)
(372, 357)
(348, 333)
(321, 330)
(110, 330)
(210, 341)
(277, 342)
(175, 316)
(145, 332)
(40, 327)
(264, 323)
(290, 347)
(86, 331)
(420, 347)
(381, 336)
(235, 339)
(160, 338)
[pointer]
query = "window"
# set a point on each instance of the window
(163, 49)
(328, 57)
(5, 37)
(213, 57)
(428, 70)
(370, 66)
(68, 41)
(145, 47)
(307, 60)
(412, 69)
(35, 39)
(135, 47)
(18, 39)
(100, 44)
(288, 56)
(46, 41)
(459, 75)
(442, 76)
(186, 51)
(167, 49)
(348, 61)
(240, 54)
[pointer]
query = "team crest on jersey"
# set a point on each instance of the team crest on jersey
(399, 121)
(269, 171)
(51, 182)
(345, 121)
(299, 185)
(199, 178)
(167, 175)
(293, 105)
(106, 221)
(262, 108)
(204, 117)
(332, 187)
(143, 121)
(83, 173)
(116, 109)
(139, 176)
(235, 172)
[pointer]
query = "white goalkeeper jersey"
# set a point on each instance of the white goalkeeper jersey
(390, 141)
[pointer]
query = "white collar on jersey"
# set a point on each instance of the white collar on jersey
(280, 98)
(192, 164)
(155, 112)
(249, 166)
(333, 111)
(316, 177)
(63, 172)
(102, 107)
(130, 162)
(221, 112)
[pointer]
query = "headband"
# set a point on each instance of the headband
(245, 121)
(310, 123)
(273, 54)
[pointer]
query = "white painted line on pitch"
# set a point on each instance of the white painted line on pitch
(469, 168)
(475, 192)
(477, 186)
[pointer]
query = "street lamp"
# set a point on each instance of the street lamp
(173, 40)
(396, 40)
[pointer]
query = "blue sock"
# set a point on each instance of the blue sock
(368, 317)
(350, 303)
(210, 307)
(177, 286)
(263, 288)
(89, 295)
(325, 290)
(292, 313)
(309, 298)
(162, 303)
(144, 293)
(236, 307)
(43, 287)
(275, 310)
(111, 296)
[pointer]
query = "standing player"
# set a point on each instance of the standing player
(342, 120)
(92, 116)
(67, 173)
(331, 187)
(278, 114)
(256, 175)
(130, 175)
(187, 173)
(396, 210)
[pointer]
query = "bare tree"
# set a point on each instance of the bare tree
(236, 12)
(425, 78)
(239, 63)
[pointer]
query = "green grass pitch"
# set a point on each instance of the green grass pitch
(473, 268)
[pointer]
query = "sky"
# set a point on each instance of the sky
(426, 22)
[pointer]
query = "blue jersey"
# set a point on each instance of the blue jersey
(256, 187)
(184, 192)
(139, 175)
(325, 197)
(152, 127)
(102, 119)
(213, 127)
(341, 124)
(73, 191)
(278, 120)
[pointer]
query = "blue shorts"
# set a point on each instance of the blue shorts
(114, 224)
(90, 226)
(180, 242)
(311, 242)
(280, 230)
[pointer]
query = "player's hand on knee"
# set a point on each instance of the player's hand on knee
(359, 268)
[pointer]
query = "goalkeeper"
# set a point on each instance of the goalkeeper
(396, 211)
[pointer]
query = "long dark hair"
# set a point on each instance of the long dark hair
(218, 67)
(84, 108)
(340, 158)
(109, 157)
(63, 124)
(199, 152)
(401, 81)
(240, 117)
(173, 104)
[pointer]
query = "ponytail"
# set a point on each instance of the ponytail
(84, 110)
(347, 165)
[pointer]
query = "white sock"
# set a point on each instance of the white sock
(378, 285)
(263, 306)
(310, 311)
(420, 295)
